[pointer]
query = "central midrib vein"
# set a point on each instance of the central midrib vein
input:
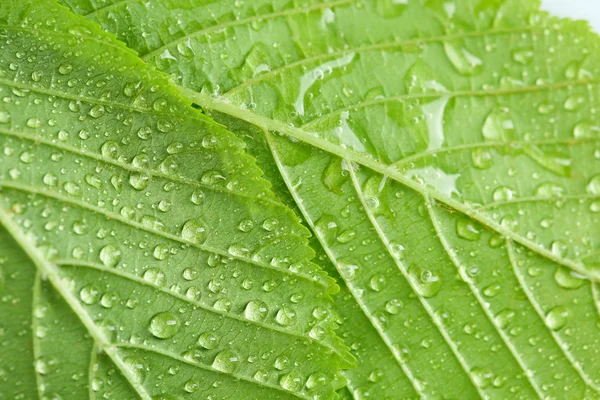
(391, 171)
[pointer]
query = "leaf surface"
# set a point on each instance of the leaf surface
(142, 255)
(445, 154)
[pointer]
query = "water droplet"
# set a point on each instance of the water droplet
(72, 188)
(4, 117)
(549, 189)
(93, 180)
(110, 255)
(482, 158)
(256, 310)
(593, 186)
(207, 340)
(377, 282)
(89, 294)
(50, 179)
(568, 278)
(164, 325)
(226, 361)
(191, 386)
(26, 157)
(223, 304)
(97, 111)
(346, 236)
(347, 268)
(317, 380)
(427, 282)
(586, 130)
(110, 149)
(261, 376)
(286, 316)
(65, 69)
(503, 193)
(394, 306)
(523, 56)
(109, 300)
(492, 290)
(246, 225)
(292, 382)
(468, 229)
(559, 248)
(270, 224)
(499, 126)
(33, 123)
(464, 61)
(505, 317)
(139, 181)
(155, 276)
(197, 197)
(193, 231)
(557, 318)
(482, 377)
(574, 102)
(189, 274)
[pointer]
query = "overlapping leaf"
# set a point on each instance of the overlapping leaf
(446, 156)
(142, 255)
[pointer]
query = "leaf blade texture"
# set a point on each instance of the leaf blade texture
(141, 236)
(447, 164)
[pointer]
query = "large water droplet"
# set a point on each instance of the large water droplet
(593, 186)
(463, 60)
(226, 361)
(256, 310)
(164, 325)
(286, 316)
(89, 294)
(194, 231)
(208, 340)
(468, 229)
(110, 255)
(557, 318)
(499, 126)
(568, 278)
(427, 282)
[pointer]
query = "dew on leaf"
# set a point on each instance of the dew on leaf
(89, 294)
(155, 276)
(468, 229)
(256, 310)
(567, 278)
(557, 318)
(194, 231)
(207, 341)
(226, 361)
(286, 316)
(110, 255)
(164, 325)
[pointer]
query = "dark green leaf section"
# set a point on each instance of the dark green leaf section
(450, 170)
(137, 230)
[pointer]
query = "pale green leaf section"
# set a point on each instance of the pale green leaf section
(142, 254)
(450, 170)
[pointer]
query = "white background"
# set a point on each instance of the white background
(576, 9)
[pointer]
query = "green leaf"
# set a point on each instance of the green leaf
(446, 156)
(142, 254)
